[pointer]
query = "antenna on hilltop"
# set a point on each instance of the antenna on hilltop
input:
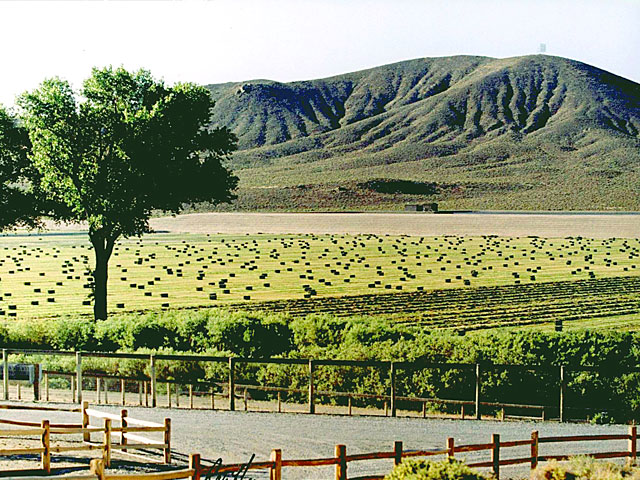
(542, 48)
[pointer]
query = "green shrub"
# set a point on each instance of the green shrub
(585, 468)
(250, 335)
(449, 469)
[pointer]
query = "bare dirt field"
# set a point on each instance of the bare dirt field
(235, 436)
(504, 224)
(543, 225)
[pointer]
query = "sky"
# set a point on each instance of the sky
(217, 41)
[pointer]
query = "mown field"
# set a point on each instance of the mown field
(444, 282)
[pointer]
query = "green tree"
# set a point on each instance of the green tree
(125, 145)
(17, 205)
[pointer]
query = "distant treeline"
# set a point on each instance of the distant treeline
(219, 332)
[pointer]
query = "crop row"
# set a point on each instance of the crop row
(484, 306)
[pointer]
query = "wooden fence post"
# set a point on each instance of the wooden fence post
(45, 457)
(194, 464)
(106, 390)
(392, 375)
(495, 455)
(633, 449)
(349, 405)
(562, 393)
(72, 381)
(98, 393)
(106, 452)
(232, 385)
(86, 436)
(190, 396)
(312, 403)
(79, 377)
(341, 465)
(152, 373)
(167, 440)
(477, 391)
(123, 423)
(279, 402)
(397, 453)
(213, 399)
(140, 393)
(534, 449)
(451, 447)
(168, 395)
(244, 396)
(96, 467)
(424, 409)
(36, 383)
(46, 387)
(275, 472)
(5, 374)
(122, 394)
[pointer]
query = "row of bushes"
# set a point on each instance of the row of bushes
(220, 332)
(577, 468)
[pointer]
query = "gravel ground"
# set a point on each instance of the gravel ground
(235, 436)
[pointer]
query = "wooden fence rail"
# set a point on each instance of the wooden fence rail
(496, 447)
(149, 384)
(113, 437)
(196, 470)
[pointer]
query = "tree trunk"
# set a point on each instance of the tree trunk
(103, 248)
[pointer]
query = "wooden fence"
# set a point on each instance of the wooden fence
(341, 460)
(147, 386)
(124, 437)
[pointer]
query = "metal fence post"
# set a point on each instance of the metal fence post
(5, 373)
(312, 400)
(392, 375)
(477, 391)
(79, 377)
(232, 384)
(562, 393)
(152, 373)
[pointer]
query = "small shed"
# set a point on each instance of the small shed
(414, 207)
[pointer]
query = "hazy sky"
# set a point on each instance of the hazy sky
(217, 41)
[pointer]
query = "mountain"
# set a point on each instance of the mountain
(532, 132)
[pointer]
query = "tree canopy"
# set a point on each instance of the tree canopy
(123, 146)
(16, 201)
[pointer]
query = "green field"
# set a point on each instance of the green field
(440, 281)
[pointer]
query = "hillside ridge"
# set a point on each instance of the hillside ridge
(468, 117)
